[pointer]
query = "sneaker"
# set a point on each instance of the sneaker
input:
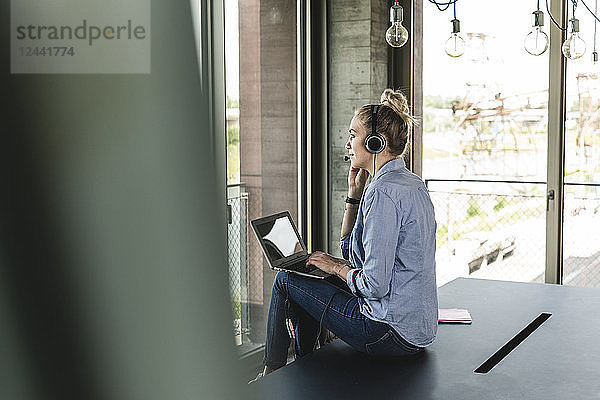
(259, 376)
(329, 336)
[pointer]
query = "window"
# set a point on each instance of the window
(485, 124)
(485, 139)
(262, 147)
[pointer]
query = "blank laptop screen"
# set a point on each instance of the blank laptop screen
(279, 238)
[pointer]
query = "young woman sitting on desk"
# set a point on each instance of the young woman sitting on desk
(388, 235)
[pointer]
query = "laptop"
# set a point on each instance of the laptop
(282, 245)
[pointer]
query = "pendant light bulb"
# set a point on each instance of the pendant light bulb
(396, 35)
(574, 47)
(595, 57)
(455, 45)
(536, 41)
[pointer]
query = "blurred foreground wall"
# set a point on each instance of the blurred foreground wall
(113, 277)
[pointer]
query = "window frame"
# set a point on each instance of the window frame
(405, 71)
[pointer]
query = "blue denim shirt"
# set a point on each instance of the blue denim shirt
(392, 251)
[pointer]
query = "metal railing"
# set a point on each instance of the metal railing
(496, 229)
(237, 215)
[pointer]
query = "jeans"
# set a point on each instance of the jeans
(303, 301)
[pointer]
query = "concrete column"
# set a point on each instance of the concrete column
(357, 75)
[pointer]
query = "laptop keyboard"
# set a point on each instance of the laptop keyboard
(302, 267)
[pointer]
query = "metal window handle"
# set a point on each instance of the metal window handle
(549, 196)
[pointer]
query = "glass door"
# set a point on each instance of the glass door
(485, 134)
(581, 247)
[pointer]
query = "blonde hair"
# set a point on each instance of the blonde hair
(394, 120)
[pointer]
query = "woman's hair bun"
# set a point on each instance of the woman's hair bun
(397, 102)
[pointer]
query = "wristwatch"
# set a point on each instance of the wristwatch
(350, 200)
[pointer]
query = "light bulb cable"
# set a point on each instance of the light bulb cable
(443, 6)
(593, 14)
(574, 3)
(553, 20)
(595, 54)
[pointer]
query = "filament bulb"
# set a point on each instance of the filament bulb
(574, 47)
(455, 45)
(396, 35)
(536, 41)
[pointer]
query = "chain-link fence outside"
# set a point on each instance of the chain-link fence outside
(503, 236)
(581, 247)
(246, 268)
(237, 210)
(482, 235)
(489, 236)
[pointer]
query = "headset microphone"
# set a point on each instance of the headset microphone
(346, 158)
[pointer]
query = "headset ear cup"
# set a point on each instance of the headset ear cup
(375, 143)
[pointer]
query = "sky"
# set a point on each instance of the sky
(232, 53)
(505, 22)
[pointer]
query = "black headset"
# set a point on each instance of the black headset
(374, 142)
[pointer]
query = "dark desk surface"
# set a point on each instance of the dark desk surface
(560, 360)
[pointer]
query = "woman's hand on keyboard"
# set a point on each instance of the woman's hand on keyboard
(324, 262)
